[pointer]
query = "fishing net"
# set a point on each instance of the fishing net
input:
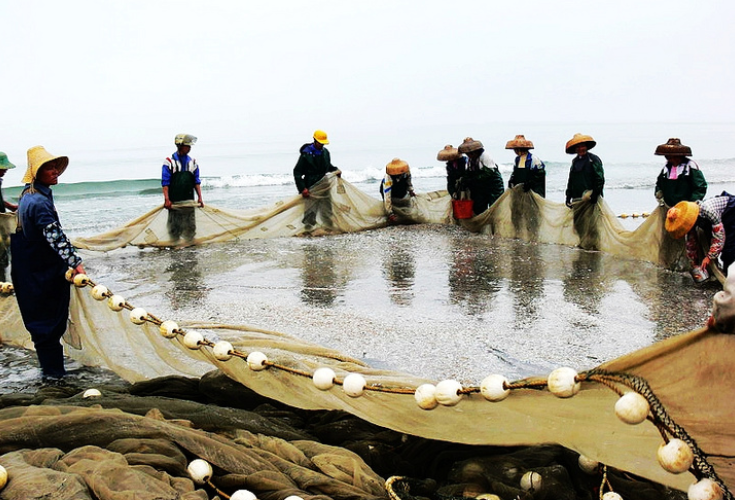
(683, 379)
(334, 206)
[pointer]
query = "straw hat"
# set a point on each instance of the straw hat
(469, 145)
(577, 140)
(520, 142)
(680, 218)
(4, 162)
(396, 167)
(673, 147)
(37, 158)
(449, 153)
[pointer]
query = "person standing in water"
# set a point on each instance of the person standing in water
(313, 164)
(396, 187)
(482, 176)
(586, 176)
(179, 181)
(5, 206)
(680, 179)
(528, 170)
(41, 255)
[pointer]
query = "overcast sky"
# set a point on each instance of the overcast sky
(93, 74)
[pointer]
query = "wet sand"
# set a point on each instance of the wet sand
(434, 301)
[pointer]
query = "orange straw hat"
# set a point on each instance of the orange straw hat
(520, 142)
(37, 158)
(449, 153)
(572, 143)
(680, 218)
(396, 167)
(673, 147)
(469, 145)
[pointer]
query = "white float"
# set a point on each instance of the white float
(99, 292)
(91, 393)
(222, 350)
(81, 280)
(531, 481)
(243, 495)
(138, 315)
(493, 388)
(425, 396)
(588, 465)
(447, 392)
(562, 382)
(611, 495)
(193, 340)
(705, 489)
(632, 408)
(256, 361)
(200, 471)
(675, 456)
(168, 329)
(354, 385)
(323, 378)
(3, 477)
(116, 302)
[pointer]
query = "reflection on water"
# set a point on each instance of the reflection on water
(435, 301)
(473, 275)
(399, 271)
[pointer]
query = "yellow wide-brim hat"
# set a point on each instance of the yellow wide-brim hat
(519, 142)
(680, 218)
(578, 139)
(396, 167)
(37, 158)
(449, 153)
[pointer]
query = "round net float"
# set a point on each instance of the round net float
(425, 396)
(447, 392)
(293, 497)
(488, 496)
(168, 329)
(323, 378)
(200, 471)
(3, 477)
(705, 489)
(256, 361)
(611, 495)
(116, 302)
(493, 388)
(531, 481)
(243, 495)
(99, 292)
(675, 456)
(81, 280)
(588, 465)
(222, 350)
(91, 393)
(354, 385)
(632, 408)
(138, 315)
(192, 340)
(562, 382)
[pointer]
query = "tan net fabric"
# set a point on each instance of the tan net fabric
(351, 210)
(689, 374)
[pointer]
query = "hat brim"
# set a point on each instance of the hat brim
(324, 142)
(572, 149)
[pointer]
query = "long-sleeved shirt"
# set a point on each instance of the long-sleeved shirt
(683, 182)
(710, 211)
(586, 174)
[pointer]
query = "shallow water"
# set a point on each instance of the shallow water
(435, 301)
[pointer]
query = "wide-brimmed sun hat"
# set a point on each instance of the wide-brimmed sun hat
(320, 136)
(673, 147)
(449, 153)
(469, 145)
(519, 142)
(4, 162)
(578, 139)
(37, 158)
(396, 167)
(680, 218)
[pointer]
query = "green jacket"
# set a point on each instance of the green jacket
(586, 174)
(311, 166)
(690, 185)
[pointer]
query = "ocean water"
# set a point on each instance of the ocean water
(434, 301)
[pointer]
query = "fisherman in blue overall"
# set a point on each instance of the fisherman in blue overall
(41, 254)
(179, 180)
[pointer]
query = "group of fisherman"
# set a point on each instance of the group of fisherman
(43, 256)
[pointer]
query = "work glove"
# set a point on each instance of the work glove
(587, 195)
(660, 198)
(568, 202)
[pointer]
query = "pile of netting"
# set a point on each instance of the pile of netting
(678, 388)
(336, 206)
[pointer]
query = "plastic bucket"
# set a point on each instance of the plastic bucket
(462, 209)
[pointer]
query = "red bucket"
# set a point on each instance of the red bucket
(462, 209)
